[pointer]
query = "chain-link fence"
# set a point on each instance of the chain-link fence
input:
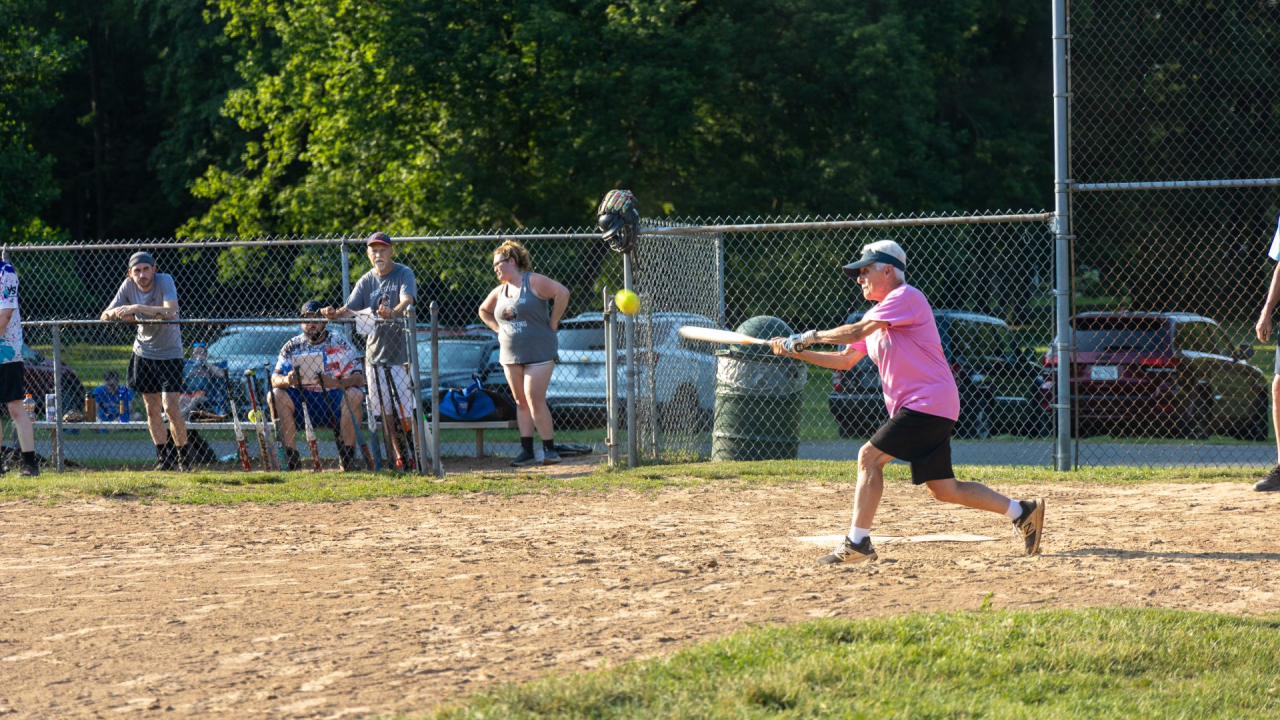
(1174, 151)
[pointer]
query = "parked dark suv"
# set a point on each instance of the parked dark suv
(997, 381)
(1163, 374)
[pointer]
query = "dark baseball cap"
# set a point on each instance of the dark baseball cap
(310, 308)
(142, 256)
(378, 237)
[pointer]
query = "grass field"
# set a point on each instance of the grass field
(233, 486)
(1103, 663)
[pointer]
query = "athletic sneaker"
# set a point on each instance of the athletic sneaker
(1030, 524)
(525, 459)
(347, 458)
(292, 460)
(183, 455)
(165, 460)
(30, 470)
(550, 457)
(1270, 481)
(849, 552)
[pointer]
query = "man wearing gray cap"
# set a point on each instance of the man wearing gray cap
(155, 369)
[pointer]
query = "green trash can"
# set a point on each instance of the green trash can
(758, 398)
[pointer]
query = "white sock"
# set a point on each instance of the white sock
(1015, 510)
(856, 534)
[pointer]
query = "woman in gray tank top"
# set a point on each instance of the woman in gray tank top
(525, 310)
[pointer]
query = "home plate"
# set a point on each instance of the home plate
(829, 540)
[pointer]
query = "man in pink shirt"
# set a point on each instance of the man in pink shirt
(901, 337)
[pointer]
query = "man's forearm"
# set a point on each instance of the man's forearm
(1273, 293)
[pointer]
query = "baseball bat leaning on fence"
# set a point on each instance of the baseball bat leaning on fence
(388, 425)
(312, 446)
(355, 426)
(373, 428)
(273, 430)
(406, 443)
(259, 425)
(244, 449)
(724, 337)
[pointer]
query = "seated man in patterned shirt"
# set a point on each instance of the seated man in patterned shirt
(337, 379)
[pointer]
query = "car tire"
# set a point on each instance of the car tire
(683, 413)
(1195, 420)
(1257, 425)
(975, 420)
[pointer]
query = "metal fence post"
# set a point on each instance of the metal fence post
(1062, 234)
(436, 460)
(346, 273)
(57, 397)
(610, 381)
(415, 383)
(629, 339)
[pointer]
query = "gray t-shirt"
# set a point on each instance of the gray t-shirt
(153, 342)
(386, 344)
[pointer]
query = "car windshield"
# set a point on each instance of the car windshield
(581, 335)
(264, 341)
(455, 357)
(1120, 335)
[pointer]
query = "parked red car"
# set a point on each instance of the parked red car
(37, 371)
(1161, 374)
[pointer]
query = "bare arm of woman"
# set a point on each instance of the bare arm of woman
(487, 307)
(548, 289)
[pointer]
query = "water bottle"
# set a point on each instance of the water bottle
(122, 404)
(29, 404)
(90, 407)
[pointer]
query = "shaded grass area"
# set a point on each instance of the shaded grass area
(1113, 663)
(227, 485)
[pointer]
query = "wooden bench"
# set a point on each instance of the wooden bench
(479, 427)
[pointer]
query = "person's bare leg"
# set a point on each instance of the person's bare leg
(176, 421)
(524, 416)
(155, 424)
(536, 380)
(1275, 413)
(351, 397)
(866, 498)
(969, 494)
(284, 416)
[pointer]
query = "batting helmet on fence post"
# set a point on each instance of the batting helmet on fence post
(618, 218)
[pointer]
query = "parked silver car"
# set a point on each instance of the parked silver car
(682, 383)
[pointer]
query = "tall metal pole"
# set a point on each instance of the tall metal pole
(720, 320)
(346, 274)
(1062, 233)
(57, 397)
(629, 338)
(437, 463)
(610, 381)
(415, 389)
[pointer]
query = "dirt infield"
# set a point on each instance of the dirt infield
(120, 609)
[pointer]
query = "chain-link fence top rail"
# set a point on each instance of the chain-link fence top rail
(989, 282)
(1168, 282)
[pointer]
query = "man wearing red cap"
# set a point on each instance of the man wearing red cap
(387, 289)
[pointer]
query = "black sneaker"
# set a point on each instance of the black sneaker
(1030, 525)
(550, 457)
(347, 458)
(1270, 481)
(183, 456)
(525, 459)
(165, 461)
(30, 470)
(292, 460)
(849, 552)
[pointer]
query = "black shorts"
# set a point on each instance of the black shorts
(153, 376)
(921, 439)
(11, 382)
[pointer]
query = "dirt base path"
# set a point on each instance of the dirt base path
(119, 609)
